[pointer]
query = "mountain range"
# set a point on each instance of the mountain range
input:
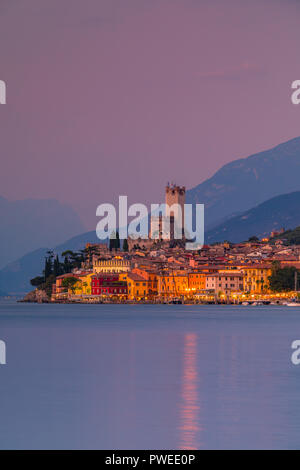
(247, 182)
(15, 277)
(33, 223)
(276, 213)
(249, 196)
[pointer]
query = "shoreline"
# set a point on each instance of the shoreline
(244, 303)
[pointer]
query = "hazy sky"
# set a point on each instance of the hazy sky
(109, 97)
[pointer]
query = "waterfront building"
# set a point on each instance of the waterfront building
(105, 285)
(113, 265)
(83, 285)
(138, 287)
(150, 276)
(162, 271)
(173, 284)
(81, 288)
(196, 281)
(225, 282)
(59, 291)
(256, 278)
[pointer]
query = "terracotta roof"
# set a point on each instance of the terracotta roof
(62, 276)
(136, 277)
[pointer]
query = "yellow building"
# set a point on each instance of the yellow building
(150, 276)
(173, 284)
(84, 284)
(197, 281)
(256, 278)
(137, 286)
(113, 265)
(59, 290)
(123, 276)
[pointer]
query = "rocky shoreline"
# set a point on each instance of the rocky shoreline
(36, 296)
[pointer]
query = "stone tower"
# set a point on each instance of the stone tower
(175, 195)
(159, 228)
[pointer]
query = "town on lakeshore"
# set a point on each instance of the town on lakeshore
(163, 271)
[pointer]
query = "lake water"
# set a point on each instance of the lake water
(149, 377)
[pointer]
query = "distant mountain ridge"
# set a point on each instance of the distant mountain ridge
(239, 202)
(279, 212)
(247, 182)
(15, 277)
(32, 223)
(290, 237)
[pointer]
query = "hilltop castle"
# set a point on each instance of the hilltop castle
(174, 200)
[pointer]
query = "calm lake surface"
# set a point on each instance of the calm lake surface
(149, 377)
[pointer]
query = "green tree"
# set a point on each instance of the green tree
(47, 286)
(69, 283)
(117, 241)
(88, 253)
(283, 279)
(37, 281)
(253, 239)
(112, 241)
(44, 285)
(72, 260)
(68, 253)
(67, 265)
(57, 267)
(48, 266)
(125, 245)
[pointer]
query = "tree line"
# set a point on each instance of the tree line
(284, 279)
(54, 266)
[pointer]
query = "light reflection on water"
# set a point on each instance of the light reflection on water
(149, 377)
(189, 408)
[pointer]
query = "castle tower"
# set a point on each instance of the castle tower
(175, 195)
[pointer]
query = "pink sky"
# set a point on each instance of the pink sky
(109, 97)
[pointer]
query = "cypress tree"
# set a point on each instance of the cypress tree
(56, 267)
(125, 245)
(112, 242)
(67, 265)
(117, 241)
(48, 267)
